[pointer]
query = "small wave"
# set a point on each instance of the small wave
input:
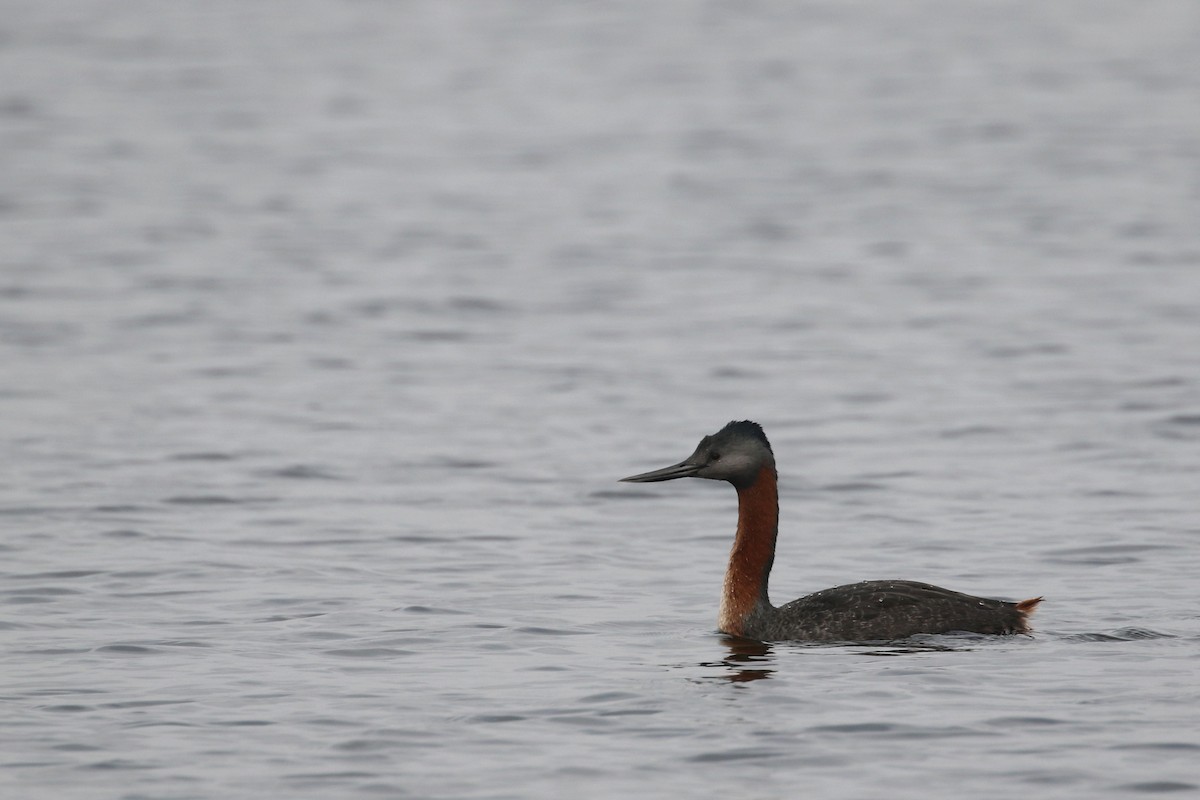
(68, 573)
(1156, 787)
(745, 754)
(460, 462)
(370, 652)
(1120, 635)
(549, 631)
(126, 649)
(488, 719)
(1024, 722)
(201, 500)
(302, 472)
(119, 508)
(608, 697)
(69, 708)
(1103, 554)
(145, 703)
(734, 373)
(203, 456)
(117, 764)
(971, 430)
(123, 533)
(853, 486)
(1178, 426)
(475, 303)
(435, 335)
(431, 610)
(1169, 746)
(858, 727)
(48, 591)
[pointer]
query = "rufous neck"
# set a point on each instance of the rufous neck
(753, 552)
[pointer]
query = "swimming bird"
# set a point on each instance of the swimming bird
(867, 611)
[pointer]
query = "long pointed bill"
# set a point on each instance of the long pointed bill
(683, 469)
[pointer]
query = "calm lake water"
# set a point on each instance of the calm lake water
(326, 330)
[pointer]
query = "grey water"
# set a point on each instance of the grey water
(327, 328)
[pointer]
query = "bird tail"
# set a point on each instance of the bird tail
(1027, 607)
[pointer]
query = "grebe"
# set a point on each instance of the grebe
(866, 611)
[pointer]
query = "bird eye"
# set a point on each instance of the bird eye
(714, 457)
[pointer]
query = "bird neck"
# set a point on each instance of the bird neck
(753, 553)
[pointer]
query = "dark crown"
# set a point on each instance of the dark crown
(745, 428)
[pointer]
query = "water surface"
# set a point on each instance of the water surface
(328, 328)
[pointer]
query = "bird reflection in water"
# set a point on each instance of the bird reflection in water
(748, 660)
(752, 660)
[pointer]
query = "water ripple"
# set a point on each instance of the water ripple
(1120, 635)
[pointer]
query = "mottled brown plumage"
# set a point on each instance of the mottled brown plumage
(868, 611)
